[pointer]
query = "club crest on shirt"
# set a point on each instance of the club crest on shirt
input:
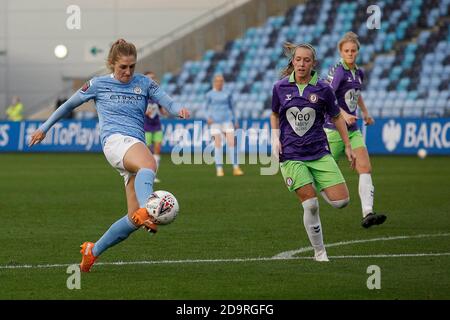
(137, 90)
(289, 181)
(313, 98)
(86, 86)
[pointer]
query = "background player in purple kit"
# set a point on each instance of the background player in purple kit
(346, 80)
(300, 103)
(152, 127)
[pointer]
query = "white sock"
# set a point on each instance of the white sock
(232, 155)
(366, 191)
(158, 159)
(311, 220)
(218, 156)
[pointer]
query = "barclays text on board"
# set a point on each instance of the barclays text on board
(406, 136)
(386, 136)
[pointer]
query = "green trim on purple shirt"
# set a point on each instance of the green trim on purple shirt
(346, 67)
(301, 87)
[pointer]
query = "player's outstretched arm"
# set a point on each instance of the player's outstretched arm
(158, 95)
(36, 137)
(184, 113)
(64, 109)
(164, 112)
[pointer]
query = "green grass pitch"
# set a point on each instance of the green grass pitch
(222, 243)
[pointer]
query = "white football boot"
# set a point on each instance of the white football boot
(321, 256)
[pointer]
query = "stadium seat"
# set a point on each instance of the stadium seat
(406, 70)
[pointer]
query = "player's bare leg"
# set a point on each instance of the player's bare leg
(139, 216)
(218, 156)
(157, 155)
(139, 159)
(337, 195)
(234, 157)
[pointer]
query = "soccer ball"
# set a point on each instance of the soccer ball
(422, 153)
(162, 206)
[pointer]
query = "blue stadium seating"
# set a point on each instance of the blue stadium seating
(406, 61)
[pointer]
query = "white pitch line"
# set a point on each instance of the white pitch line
(123, 263)
(281, 256)
(397, 255)
(291, 253)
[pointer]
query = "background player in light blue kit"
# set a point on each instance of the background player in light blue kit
(346, 80)
(221, 119)
(121, 99)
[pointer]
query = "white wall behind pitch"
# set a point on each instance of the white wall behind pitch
(29, 31)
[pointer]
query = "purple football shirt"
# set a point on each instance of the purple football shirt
(302, 115)
(347, 88)
(152, 123)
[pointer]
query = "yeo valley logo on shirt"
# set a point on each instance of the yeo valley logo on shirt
(301, 120)
(351, 99)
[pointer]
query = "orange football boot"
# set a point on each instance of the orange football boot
(237, 172)
(88, 258)
(142, 218)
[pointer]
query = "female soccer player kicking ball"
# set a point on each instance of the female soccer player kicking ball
(121, 100)
(299, 104)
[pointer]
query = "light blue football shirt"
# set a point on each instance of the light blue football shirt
(219, 106)
(120, 106)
